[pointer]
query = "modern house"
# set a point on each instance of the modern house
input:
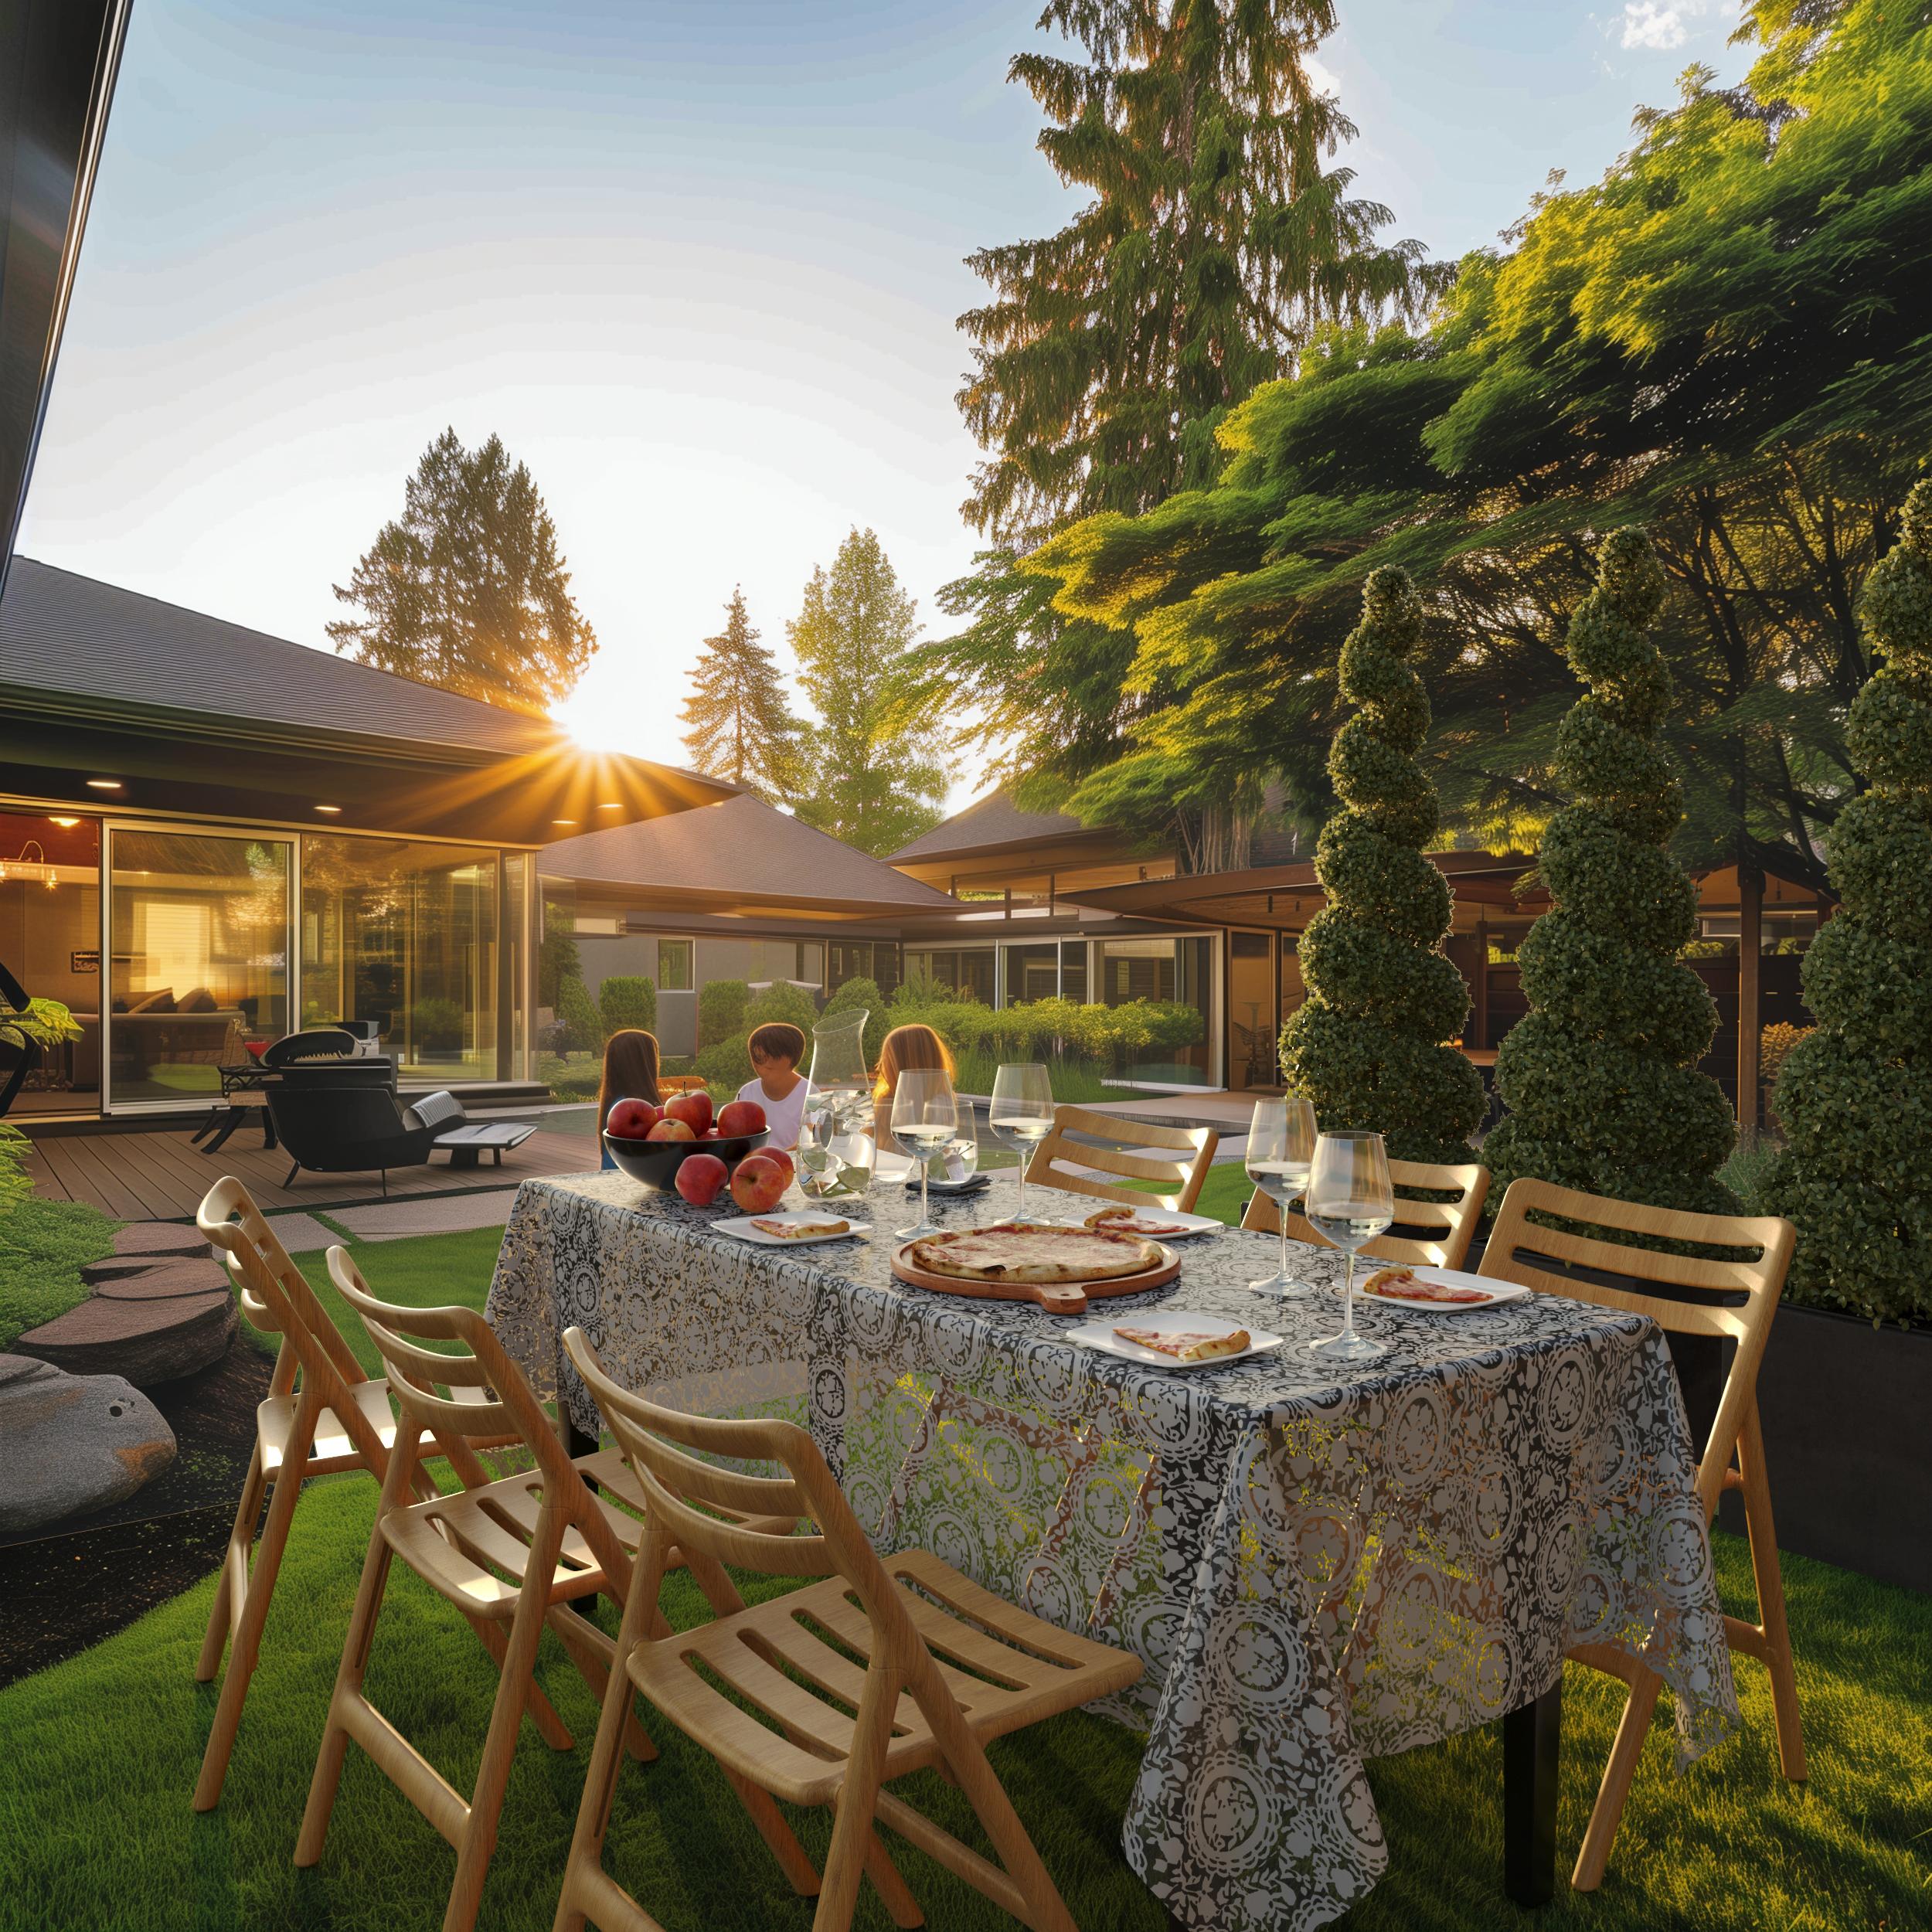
(210, 837)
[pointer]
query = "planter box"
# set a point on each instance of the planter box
(1847, 1410)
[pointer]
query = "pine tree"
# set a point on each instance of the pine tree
(875, 777)
(739, 725)
(1366, 1046)
(1600, 1077)
(1856, 1098)
(466, 590)
(1215, 239)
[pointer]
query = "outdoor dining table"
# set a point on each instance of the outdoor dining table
(1318, 1562)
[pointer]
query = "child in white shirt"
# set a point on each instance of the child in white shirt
(780, 1089)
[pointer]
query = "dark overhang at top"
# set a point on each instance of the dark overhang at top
(189, 714)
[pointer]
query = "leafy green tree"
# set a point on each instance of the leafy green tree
(1856, 1098)
(628, 1000)
(1367, 1044)
(876, 777)
(466, 589)
(1600, 1076)
(739, 724)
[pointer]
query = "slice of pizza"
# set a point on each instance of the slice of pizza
(800, 1230)
(1127, 1220)
(1185, 1345)
(1404, 1285)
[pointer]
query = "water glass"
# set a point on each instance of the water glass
(1021, 1113)
(1351, 1201)
(1281, 1141)
(925, 1118)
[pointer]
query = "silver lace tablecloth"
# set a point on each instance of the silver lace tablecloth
(1319, 1563)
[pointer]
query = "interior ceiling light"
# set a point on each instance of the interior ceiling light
(328, 807)
(563, 821)
(66, 825)
(104, 784)
(611, 804)
(35, 868)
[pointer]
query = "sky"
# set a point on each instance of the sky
(699, 262)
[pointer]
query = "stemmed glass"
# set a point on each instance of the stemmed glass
(1021, 1113)
(1350, 1200)
(1281, 1140)
(925, 1118)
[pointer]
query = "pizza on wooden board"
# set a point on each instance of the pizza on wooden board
(1007, 1253)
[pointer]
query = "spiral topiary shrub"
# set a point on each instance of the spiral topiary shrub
(1600, 1077)
(1854, 1099)
(1366, 1046)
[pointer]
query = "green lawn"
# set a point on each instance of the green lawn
(96, 1832)
(42, 1245)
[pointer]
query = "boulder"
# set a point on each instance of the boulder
(147, 1341)
(75, 1444)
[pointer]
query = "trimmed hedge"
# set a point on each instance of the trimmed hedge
(1600, 1077)
(1366, 1046)
(1854, 1097)
(628, 1000)
(880, 1020)
(721, 1011)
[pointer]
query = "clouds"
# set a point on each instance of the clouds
(1646, 24)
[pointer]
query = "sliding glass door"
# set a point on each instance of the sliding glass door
(198, 945)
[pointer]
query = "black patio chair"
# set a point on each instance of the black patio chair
(348, 1126)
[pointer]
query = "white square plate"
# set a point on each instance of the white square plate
(1174, 1227)
(1100, 1336)
(1495, 1292)
(740, 1225)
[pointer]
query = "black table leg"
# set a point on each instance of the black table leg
(1532, 1743)
(576, 1443)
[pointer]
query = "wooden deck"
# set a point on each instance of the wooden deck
(162, 1176)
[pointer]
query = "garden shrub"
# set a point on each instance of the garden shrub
(1366, 1045)
(725, 1065)
(628, 1000)
(782, 1001)
(436, 1025)
(580, 1026)
(1856, 1098)
(1600, 1077)
(880, 1020)
(721, 1010)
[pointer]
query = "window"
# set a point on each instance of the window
(674, 965)
(50, 936)
(967, 970)
(874, 960)
(1074, 971)
(1176, 975)
(1032, 972)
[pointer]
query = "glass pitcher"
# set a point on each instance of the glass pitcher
(836, 1151)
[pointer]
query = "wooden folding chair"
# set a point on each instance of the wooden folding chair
(1749, 1290)
(322, 1414)
(1444, 1229)
(521, 1551)
(1055, 1158)
(830, 1692)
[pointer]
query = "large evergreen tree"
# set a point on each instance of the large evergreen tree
(1367, 1044)
(1856, 1098)
(873, 776)
(1600, 1076)
(739, 724)
(466, 589)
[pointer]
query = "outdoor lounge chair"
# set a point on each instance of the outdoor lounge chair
(351, 1126)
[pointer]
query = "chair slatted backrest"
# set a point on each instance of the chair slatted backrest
(1444, 1229)
(1054, 1158)
(1731, 1298)
(422, 1381)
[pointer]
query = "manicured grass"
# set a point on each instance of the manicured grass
(43, 1246)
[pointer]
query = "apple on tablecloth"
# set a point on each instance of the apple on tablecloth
(630, 1120)
(758, 1183)
(701, 1178)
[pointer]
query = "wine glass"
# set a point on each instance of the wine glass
(1281, 1140)
(1350, 1200)
(1021, 1113)
(925, 1117)
(958, 1160)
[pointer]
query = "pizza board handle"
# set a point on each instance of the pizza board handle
(1061, 1298)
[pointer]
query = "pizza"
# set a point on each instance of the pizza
(1127, 1220)
(1184, 1346)
(799, 1230)
(1404, 1285)
(1007, 1252)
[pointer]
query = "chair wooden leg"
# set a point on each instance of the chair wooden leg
(853, 1837)
(258, 1592)
(1607, 1812)
(1770, 1598)
(234, 1569)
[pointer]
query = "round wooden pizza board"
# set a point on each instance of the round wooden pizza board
(1056, 1297)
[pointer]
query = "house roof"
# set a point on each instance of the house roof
(993, 821)
(197, 715)
(740, 854)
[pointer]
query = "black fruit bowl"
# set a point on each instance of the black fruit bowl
(655, 1164)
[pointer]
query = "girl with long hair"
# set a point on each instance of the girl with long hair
(630, 1073)
(905, 1048)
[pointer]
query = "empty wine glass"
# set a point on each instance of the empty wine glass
(1350, 1200)
(925, 1117)
(1021, 1113)
(1281, 1140)
(958, 1161)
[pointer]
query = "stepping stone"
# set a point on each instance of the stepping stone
(75, 1444)
(146, 1341)
(140, 1244)
(167, 1282)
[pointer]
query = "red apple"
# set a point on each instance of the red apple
(757, 1184)
(778, 1154)
(741, 1116)
(701, 1179)
(631, 1120)
(693, 1109)
(671, 1129)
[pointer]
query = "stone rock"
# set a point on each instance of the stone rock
(164, 1281)
(74, 1444)
(161, 1237)
(146, 1341)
